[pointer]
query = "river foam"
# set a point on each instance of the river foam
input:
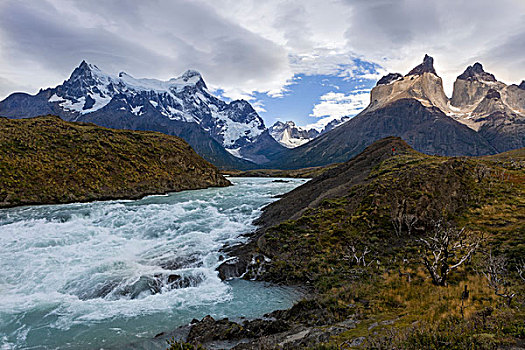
(104, 274)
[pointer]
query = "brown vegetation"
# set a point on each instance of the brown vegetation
(364, 237)
(47, 160)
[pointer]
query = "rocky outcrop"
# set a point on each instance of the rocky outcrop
(390, 77)
(472, 86)
(514, 97)
(427, 66)
(493, 94)
(47, 160)
(263, 334)
(301, 326)
(209, 330)
(491, 103)
(421, 83)
(476, 72)
(490, 107)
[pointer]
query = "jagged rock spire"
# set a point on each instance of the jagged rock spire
(476, 72)
(190, 73)
(426, 67)
(522, 85)
(83, 69)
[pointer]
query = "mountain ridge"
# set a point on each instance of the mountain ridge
(484, 116)
(290, 135)
(91, 95)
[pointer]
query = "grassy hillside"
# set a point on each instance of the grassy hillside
(359, 235)
(47, 160)
(382, 220)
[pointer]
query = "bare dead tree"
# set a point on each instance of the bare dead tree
(482, 172)
(497, 274)
(521, 269)
(400, 217)
(503, 175)
(410, 220)
(358, 257)
(446, 249)
(397, 209)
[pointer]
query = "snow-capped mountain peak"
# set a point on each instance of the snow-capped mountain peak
(185, 98)
(191, 74)
(84, 70)
(190, 78)
(476, 72)
(89, 89)
(289, 135)
(89, 75)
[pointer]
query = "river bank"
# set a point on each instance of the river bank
(358, 236)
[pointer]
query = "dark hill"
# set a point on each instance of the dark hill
(47, 160)
(332, 183)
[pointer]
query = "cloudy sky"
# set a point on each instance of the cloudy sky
(307, 61)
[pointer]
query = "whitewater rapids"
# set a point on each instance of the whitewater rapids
(107, 274)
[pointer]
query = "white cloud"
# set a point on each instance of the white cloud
(50, 37)
(397, 34)
(334, 105)
(246, 46)
(258, 106)
(325, 37)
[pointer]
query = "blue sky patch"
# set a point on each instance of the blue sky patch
(311, 99)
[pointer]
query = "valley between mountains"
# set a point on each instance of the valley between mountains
(402, 227)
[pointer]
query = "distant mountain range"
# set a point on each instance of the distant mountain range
(484, 116)
(290, 135)
(221, 132)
